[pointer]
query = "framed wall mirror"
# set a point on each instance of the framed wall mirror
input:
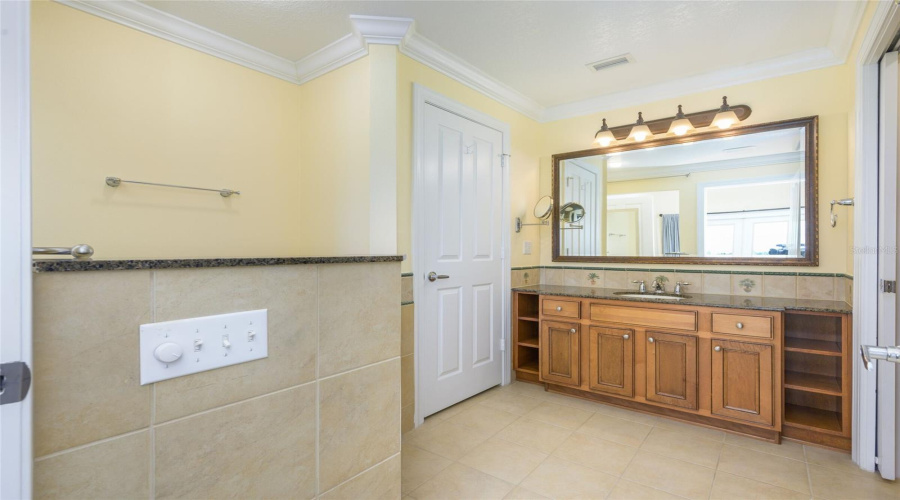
(745, 195)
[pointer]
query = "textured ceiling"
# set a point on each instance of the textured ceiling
(541, 48)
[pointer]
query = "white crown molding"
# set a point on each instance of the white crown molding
(155, 22)
(847, 17)
(381, 30)
(795, 63)
(425, 51)
(331, 57)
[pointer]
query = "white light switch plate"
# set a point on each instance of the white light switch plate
(201, 344)
(526, 248)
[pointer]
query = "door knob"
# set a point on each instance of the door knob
(650, 340)
(626, 336)
(433, 276)
(717, 348)
(572, 330)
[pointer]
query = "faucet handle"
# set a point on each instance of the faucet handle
(638, 281)
(678, 285)
(643, 287)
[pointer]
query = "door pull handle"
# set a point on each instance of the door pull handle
(433, 276)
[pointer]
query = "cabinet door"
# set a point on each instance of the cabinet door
(560, 353)
(611, 360)
(742, 381)
(672, 369)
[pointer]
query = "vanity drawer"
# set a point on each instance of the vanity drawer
(561, 308)
(639, 316)
(740, 324)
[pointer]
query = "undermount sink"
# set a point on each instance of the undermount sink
(661, 296)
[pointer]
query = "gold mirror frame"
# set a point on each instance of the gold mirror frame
(812, 198)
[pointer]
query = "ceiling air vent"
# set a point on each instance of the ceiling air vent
(611, 62)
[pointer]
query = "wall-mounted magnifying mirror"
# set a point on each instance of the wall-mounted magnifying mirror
(571, 213)
(543, 209)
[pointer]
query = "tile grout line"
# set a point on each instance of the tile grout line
(89, 445)
(351, 478)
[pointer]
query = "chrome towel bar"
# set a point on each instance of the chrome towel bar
(116, 182)
(80, 252)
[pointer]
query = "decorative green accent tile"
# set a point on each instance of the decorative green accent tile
(767, 273)
(688, 271)
(705, 271)
(406, 275)
(406, 303)
(820, 275)
(747, 284)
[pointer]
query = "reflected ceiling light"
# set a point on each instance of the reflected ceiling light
(640, 131)
(726, 116)
(680, 125)
(604, 137)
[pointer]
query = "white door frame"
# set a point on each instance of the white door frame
(877, 40)
(422, 97)
(15, 242)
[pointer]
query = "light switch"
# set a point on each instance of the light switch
(177, 348)
(526, 248)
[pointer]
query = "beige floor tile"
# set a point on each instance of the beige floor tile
(833, 460)
(563, 416)
(447, 439)
(524, 388)
(616, 430)
(456, 409)
(730, 487)
(261, 448)
(112, 469)
(787, 449)
(350, 405)
(512, 403)
(770, 469)
(629, 490)
(826, 483)
(670, 475)
(687, 429)
(484, 418)
(460, 482)
(604, 456)
(507, 461)
(625, 414)
(520, 493)
(674, 444)
(535, 434)
(558, 479)
(381, 482)
(581, 404)
(419, 466)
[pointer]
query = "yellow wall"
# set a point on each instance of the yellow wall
(525, 149)
(109, 100)
(334, 163)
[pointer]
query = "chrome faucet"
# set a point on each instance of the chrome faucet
(643, 287)
(678, 285)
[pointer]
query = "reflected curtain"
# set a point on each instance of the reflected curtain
(671, 241)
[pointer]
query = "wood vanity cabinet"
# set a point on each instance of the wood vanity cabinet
(672, 370)
(611, 360)
(560, 353)
(754, 372)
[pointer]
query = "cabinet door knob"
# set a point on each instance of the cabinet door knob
(559, 308)
(717, 348)
(650, 339)
(626, 336)
(740, 326)
(572, 330)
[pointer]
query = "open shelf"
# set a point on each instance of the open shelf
(812, 418)
(529, 318)
(811, 382)
(527, 359)
(810, 346)
(528, 306)
(533, 343)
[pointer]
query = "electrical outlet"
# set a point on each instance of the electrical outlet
(526, 248)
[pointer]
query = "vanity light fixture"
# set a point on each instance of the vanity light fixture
(726, 117)
(604, 137)
(640, 131)
(680, 125)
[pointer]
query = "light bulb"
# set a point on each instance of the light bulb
(604, 136)
(640, 131)
(680, 125)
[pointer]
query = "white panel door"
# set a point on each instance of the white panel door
(15, 249)
(463, 191)
(581, 185)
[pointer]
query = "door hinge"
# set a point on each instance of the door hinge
(15, 380)
(888, 286)
(502, 345)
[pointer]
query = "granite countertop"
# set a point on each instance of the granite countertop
(63, 265)
(696, 299)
